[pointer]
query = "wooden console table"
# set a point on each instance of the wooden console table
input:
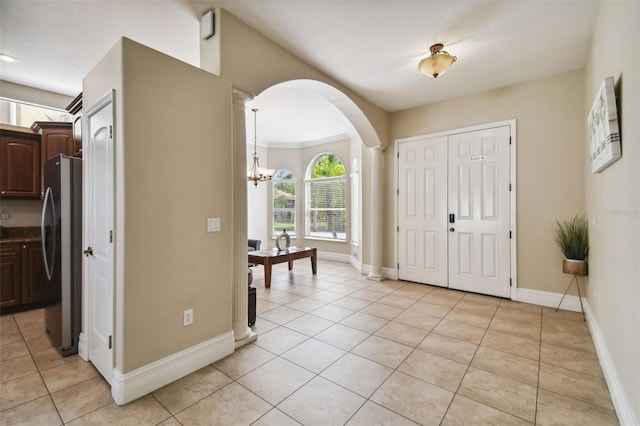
(271, 257)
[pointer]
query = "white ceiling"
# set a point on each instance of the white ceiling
(371, 46)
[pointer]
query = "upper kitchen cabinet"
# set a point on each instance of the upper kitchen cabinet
(20, 173)
(75, 108)
(57, 138)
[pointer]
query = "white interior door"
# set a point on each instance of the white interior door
(479, 247)
(98, 191)
(422, 211)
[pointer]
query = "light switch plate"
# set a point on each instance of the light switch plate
(213, 224)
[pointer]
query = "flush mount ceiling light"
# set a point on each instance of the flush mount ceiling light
(438, 63)
(8, 58)
(255, 173)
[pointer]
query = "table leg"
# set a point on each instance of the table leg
(290, 264)
(267, 273)
(314, 263)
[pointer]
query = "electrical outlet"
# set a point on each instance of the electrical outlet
(188, 317)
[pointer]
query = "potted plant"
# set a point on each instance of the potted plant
(573, 238)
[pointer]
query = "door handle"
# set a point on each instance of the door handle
(452, 218)
(451, 229)
(88, 251)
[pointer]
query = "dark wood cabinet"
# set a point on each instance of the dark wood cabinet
(22, 276)
(20, 171)
(10, 275)
(75, 108)
(56, 138)
(33, 275)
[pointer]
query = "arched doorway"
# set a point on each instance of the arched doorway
(369, 140)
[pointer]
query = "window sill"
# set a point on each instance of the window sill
(335, 240)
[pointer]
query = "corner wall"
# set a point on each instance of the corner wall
(613, 209)
(549, 155)
(173, 170)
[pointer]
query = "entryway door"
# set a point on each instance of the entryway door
(454, 210)
(98, 237)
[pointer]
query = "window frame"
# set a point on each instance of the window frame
(275, 180)
(309, 181)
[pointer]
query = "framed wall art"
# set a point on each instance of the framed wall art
(604, 133)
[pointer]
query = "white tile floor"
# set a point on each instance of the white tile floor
(337, 349)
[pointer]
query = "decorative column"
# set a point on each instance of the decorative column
(376, 214)
(241, 331)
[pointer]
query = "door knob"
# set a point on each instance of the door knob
(88, 251)
(451, 229)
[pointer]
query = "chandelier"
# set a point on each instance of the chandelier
(255, 173)
(438, 63)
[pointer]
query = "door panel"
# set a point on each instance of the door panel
(479, 247)
(422, 211)
(99, 191)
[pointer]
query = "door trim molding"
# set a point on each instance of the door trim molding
(84, 344)
(512, 195)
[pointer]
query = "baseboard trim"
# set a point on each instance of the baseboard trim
(545, 298)
(623, 407)
(335, 257)
(141, 381)
(356, 263)
(390, 273)
(83, 351)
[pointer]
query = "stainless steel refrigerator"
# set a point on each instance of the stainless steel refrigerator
(61, 228)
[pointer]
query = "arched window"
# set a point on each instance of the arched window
(284, 202)
(326, 198)
(355, 205)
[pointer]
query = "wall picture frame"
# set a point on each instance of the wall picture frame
(604, 133)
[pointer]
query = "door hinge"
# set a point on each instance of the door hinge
(509, 140)
(398, 228)
(398, 155)
(111, 236)
(110, 132)
(509, 187)
(509, 234)
(398, 191)
(398, 264)
(110, 342)
(510, 282)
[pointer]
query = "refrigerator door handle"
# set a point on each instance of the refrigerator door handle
(48, 201)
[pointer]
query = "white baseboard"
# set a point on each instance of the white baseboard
(623, 407)
(83, 350)
(356, 264)
(335, 257)
(141, 381)
(545, 298)
(390, 273)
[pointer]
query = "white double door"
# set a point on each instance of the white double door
(454, 211)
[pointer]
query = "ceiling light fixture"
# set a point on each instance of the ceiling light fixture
(438, 63)
(8, 58)
(255, 173)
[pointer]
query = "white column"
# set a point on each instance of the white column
(241, 331)
(376, 214)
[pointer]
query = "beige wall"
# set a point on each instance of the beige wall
(253, 63)
(21, 212)
(550, 148)
(32, 95)
(613, 197)
(173, 162)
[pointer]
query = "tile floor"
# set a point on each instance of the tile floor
(337, 349)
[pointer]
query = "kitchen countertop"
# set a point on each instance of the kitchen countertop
(22, 235)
